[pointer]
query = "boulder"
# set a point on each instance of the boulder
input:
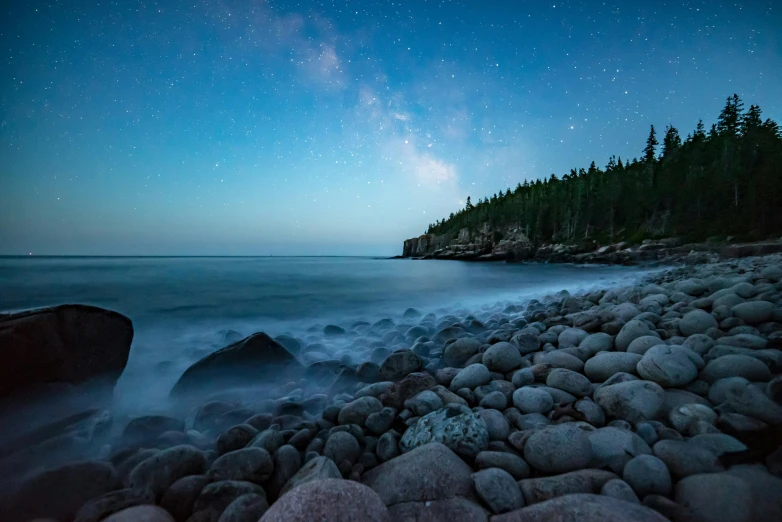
(319, 468)
(498, 490)
(242, 363)
(582, 507)
(455, 509)
(581, 481)
(684, 459)
(455, 426)
(181, 496)
(400, 364)
(696, 322)
(715, 496)
(158, 472)
(558, 449)
(329, 499)
(251, 464)
(502, 357)
(59, 493)
(633, 401)
(667, 367)
(429, 473)
(67, 343)
(247, 508)
(217, 496)
(754, 312)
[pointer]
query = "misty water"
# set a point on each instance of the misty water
(182, 307)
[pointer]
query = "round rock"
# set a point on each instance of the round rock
(502, 357)
(532, 400)
(558, 449)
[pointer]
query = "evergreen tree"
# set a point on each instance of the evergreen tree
(671, 141)
(651, 143)
(699, 134)
(751, 121)
(469, 204)
(730, 117)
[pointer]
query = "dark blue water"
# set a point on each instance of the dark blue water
(181, 307)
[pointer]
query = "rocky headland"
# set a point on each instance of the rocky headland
(511, 244)
(657, 401)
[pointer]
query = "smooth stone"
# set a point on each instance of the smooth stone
(342, 446)
(100, 508)
(682, 417)
(329, 499)
(532, 400)
(648, 475)
(684, 459)
(582, 507)
(510, 462)
(753, 342)
(381, 421)
(752, 402)
(357, 411)
(247, 508)
(754, 312)
(496, 424)
(160, 471)
(541, 489)
(562, 359)
(632, 330)
(558, 449)
(424, 403)
(735, 366)
(455, 509)
(498, 490)
(251, 464)
(502, 357)
(569, 381)
(471, 377)
(597, 342)
(318, 468)
(718, 443)
(696, 322)
(715, 496)
(619, 489)
(633, 401)
(217, 496)
(615, 447)
(287, 462)
(641, 344)
(400, 364)
(667, 367)
(495, 400)
(181, 496)
(140, 514)
(458, 352)
(387, 447)
(235, 437)
(605, 365)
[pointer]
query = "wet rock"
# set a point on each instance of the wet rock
(318, 468)
(471, 377)
(424, 403)
(287, 462)
(498, 490)
(458, 352)
(381, 421)
(455, 426)
(682, 417)
(494, 400)
(251, 464)
(696, 322)
(235, 438)
(558, 449)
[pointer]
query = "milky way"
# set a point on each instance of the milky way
(253, 127)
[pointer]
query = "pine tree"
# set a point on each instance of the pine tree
(651, 143)
(751, 121)
(469, 205)
(730, 117)
(671, 142)
(699, 135)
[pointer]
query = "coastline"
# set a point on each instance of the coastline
(537, 396)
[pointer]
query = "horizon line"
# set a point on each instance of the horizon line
(27, 256)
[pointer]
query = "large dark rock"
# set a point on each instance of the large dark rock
(68, 343)
(247, 362)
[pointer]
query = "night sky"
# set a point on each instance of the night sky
(252, 127)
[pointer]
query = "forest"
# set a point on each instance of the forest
(725, 181)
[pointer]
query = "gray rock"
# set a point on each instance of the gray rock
(101, 507)
(718, 443)
(699, 343)
(667, 367)
(217, 496)
(582, 508)
(715, 496)
(424, 403)
(682, 417)
(593, 414)
(542, 489)
(619, 489)
(615, 447)
(329, 499)
(752, 402)
(569, 381)
(532, 400)
(510, 462)
(754, 312)
(454, 426)
(684, 459)
(495, 400)
(696, 322)
(400, 364)
(498, 490)
(750, 341)
(140, 514)
(235, 438)
(597, 342)
(632, 330)
(471, 377)
(604, 365)
(496, 424)
(342, 446)
(526, 342)
(428, 473)
(319, 468)
(523, 377)
(502, 357)
(251, 464)
(158, 472)
(287, 462)
(247, 508)
(458, 352)
(387, 447)
(641, 344)
(558, 449)
(633, 401)
(735, 366)
(562, 359)
(357, 411)
(647, 475)
(181, 496)
(455, 509)
(380, 422)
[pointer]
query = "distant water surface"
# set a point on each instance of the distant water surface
(182, 306)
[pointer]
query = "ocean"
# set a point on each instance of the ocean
(183, 307)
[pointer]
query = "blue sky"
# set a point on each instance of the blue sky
(255, 127)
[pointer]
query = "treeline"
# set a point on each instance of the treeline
(720, 182)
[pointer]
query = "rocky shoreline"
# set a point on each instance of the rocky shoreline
(658, 401)
(512, 245)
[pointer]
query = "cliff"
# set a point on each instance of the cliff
(485, 244)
